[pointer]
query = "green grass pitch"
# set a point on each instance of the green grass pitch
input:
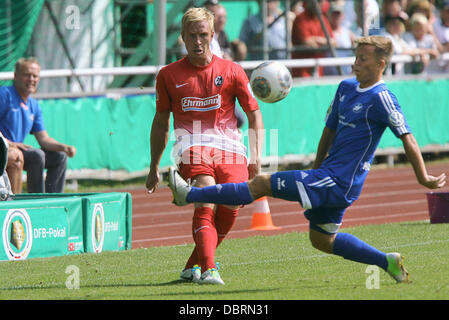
(282, 267)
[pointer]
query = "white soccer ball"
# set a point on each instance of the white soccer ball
(271, 81)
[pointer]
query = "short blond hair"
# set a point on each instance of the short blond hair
(197, 15)
(22, 61)
(384, 46)
(418, 18)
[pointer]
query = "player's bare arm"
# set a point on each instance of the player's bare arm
(158, 141)
(255, 124)
(415, 157)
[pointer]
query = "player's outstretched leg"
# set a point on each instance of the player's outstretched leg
(352, 248)
(226, 193)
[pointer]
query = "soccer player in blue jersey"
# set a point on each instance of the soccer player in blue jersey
(362, 109)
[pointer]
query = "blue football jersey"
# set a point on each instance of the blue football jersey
(359, 117)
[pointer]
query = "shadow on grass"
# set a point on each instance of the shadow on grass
(222, 289)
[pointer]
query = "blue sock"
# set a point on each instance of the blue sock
(226, 193)
(352, 248)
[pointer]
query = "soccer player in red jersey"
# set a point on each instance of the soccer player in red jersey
(201, 90)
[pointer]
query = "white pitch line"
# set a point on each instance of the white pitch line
(151, 203)
(165, 213)
(312, 256)
(386, 204)
(389, 184)
(163, 238)
(283, 204)
(382, 185)
(389, 193)
(416, 213)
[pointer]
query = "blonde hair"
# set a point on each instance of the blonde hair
(197, 15)
(384, 46)
(418, 18)
(22, 61)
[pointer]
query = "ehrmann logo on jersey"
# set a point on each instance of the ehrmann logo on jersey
(201, 104)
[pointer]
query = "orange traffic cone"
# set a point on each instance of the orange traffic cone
(262, 216)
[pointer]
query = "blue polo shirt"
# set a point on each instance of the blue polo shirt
(17, 118)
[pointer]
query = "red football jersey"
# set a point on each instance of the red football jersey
(202, 100)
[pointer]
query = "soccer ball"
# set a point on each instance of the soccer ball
(271, 81)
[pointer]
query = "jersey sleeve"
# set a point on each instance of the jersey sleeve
(163, 101)
(243, 90)
(332, 113)
(390, 113)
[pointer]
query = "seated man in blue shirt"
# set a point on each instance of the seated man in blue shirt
(20, 115)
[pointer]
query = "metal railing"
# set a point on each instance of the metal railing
(136, 70)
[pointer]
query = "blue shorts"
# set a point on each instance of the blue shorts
(317, 192)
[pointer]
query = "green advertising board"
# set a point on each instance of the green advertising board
(47, 225)
(34, 228)
(106, 222)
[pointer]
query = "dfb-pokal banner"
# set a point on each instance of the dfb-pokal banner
(47, 225)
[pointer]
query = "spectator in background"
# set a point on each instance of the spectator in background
(421, 6)
(220, 44)
(394, 29)
(391, 8)
(235, 50)
(20, 115)
(344, 37)
(307, 32)
(422, 42)
(367, 23)
(441, 27)
(296, 6)
(239, 50)
(252, 33)
(428, 10)
(441, 30)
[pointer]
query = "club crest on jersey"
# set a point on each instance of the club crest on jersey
(396, 119)
(218, 81)
(201, 104)
(357, 108)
